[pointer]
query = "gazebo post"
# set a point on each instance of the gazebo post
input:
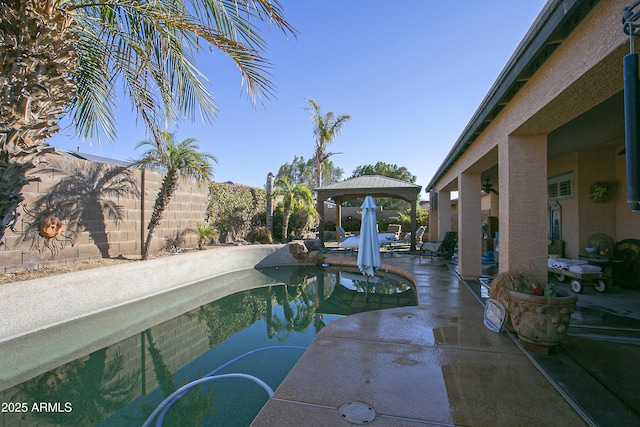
(414, 223)
(320, 210)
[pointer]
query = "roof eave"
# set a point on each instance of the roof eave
(556, 20)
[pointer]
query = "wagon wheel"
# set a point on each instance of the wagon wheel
(576, 286)
(561, 277)
(599, 285)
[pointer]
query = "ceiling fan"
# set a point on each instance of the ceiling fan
(488, 188)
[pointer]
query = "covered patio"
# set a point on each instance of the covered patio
(359, 187)
(549, 133)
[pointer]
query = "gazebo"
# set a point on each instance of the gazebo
(377, 186)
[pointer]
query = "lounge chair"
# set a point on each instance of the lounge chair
(353, 242)
(343, 234)
(442, 248)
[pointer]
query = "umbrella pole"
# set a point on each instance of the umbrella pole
(366, 293)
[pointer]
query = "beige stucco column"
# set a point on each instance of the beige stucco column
(443, 214)
(469, 226)
(523, 204)
(494, 206)
(432, 236)
(414, 224)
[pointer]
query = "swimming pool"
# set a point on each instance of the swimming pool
(278, 308)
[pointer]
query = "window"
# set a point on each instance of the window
(560, 186)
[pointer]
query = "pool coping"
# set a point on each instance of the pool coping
(34, 305)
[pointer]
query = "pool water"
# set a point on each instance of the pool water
(122, 384)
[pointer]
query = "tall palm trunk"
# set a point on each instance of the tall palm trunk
(163, 375)
(317, 170)
(168, 187)
(12, 179)
(37, 59)
(285, 221)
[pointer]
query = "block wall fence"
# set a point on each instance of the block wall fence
(99, 236)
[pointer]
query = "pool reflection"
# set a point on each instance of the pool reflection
(123, 383)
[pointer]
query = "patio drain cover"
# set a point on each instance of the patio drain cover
(357, 413)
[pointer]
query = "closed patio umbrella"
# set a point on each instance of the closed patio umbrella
(369, 248)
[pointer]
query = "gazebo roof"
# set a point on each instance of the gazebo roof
(376, 185)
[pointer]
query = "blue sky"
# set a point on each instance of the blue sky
(411, 74)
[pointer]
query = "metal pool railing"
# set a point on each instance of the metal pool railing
(164, 407)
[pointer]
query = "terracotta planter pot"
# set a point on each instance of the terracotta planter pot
(541, 321)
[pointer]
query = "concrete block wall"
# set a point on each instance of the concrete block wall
(101, 236)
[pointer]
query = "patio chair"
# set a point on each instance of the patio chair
(419, 233)
(442, 248)
(406, 239)
(395, 229)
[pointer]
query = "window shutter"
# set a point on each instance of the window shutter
(560, 186)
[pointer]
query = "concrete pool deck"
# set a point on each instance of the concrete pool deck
(435, 364)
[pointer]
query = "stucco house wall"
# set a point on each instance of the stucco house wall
(596, 218)
(528, 127)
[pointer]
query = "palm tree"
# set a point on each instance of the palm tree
(327, 127)
(204, 232)
(292, 197)
(62, 57)
(180, 161)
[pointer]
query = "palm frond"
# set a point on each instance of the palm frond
(149, 48)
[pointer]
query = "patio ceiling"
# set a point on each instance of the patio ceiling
(600, 127)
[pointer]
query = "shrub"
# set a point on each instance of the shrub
(350, 223)
(174, 242)
(261, 235)
(233, 209)
(298, 222)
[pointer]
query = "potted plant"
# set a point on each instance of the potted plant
(503, 284)
(599, 192)
(539, 313)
